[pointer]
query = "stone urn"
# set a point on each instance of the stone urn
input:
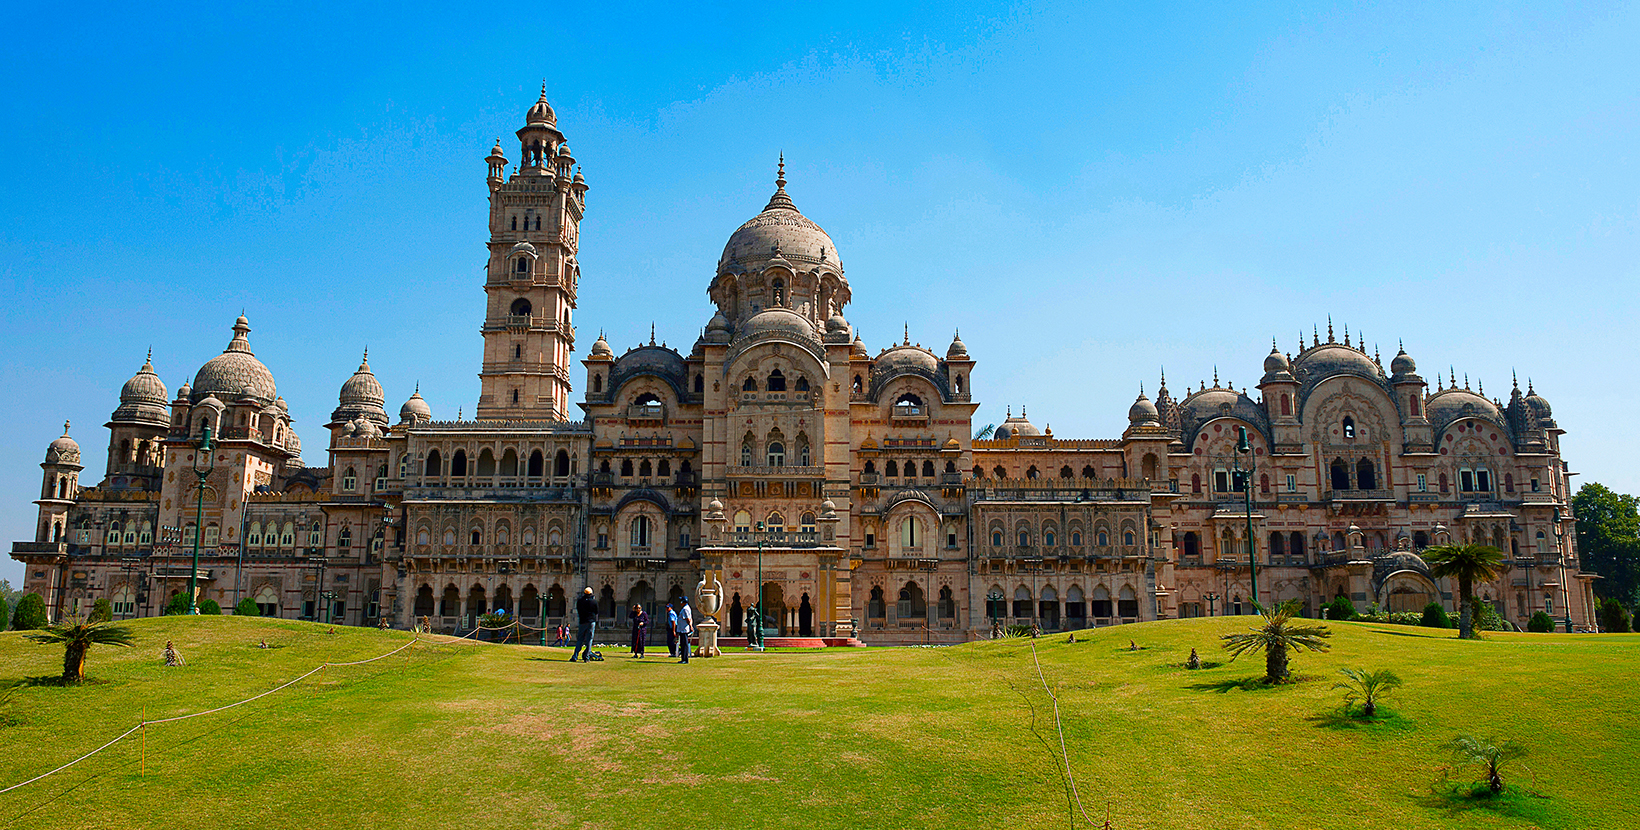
(708, 599)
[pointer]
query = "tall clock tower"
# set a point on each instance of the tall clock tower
(535, 223)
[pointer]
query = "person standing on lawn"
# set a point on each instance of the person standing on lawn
(686, 626)
(586, 610)
(672, 630)
(640, 629)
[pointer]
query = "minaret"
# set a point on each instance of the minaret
(59, 487)
(535, 219)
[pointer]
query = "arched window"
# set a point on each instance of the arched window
(535, 466)
(212, 535)
(538, 221)
(777, 381)
(857, 387)
(521, 307)
(113, 537)
(806, 523)
(476, 536)
(253, 535)
(743, 522)
(664, 468)
(598, 383)
(344, 539)
(287, 536)
(1192, 546)
(1365, 476)
(515, 223)
(1048, 537)
(928, 469)
(1089, 472)
(777, 454)
(956, 384)
(644, 469)
(870, 468)
(1076, 538)
(1286, 405)
(776, 523)
(748, 448)
(640, 532)
(1349, 427)
(779, 286)
(802, 384)
(1443, 482)
(750, 385)
(875, 606)
(1024, 538)
(316, 535)
(1295, 545)
(999, 472)
(626, 468)
(700, 384)
(1340, 475)
(1264, 484)
(909, 534)
(435, 465)
(892, 469)
(350, 480)
(1195, 483)
(1065, 472)
(996, 538)
(1128, 538)
(802, 450)
(912, 603)
(908, 405)
(458, 463)
(1031, 473)
(1278, 545)
(521, 265)
(1103, 537)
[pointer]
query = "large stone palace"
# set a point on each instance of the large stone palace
(779, 456)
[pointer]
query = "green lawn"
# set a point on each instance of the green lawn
(472, 735)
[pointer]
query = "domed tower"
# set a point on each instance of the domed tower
(59, 488)
(361, 397)
(137, 431)
(535, 221)
(1280, 390)
(1410, 391)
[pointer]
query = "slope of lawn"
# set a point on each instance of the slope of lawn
(464, 734)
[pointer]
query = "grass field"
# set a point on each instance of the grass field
(472, 735)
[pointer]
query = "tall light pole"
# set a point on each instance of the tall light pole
(206, 447)
(1244, 448)
(759, 527)
(1560, 550)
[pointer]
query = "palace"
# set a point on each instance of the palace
(780, 457)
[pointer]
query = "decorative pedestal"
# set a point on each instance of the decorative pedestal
(708, 631)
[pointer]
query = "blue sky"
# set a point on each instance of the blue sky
(1089, 191)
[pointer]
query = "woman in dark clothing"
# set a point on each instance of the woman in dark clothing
(640, 628)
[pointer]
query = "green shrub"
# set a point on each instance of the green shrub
(30, 614)
(1487, 618)
(247, 607)
(1340, 609)
(1435, 617)
(102, 611)
(4, 619)
(1614, 618)
(1540, 622)
(177, 605)
(209, 606)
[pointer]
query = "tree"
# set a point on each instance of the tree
(1339, 609)
(102, 610)
(209, 606)
(177, 605)
(1468, 564)
(1540, 622)
(30, 614)
(247, 607)
(1277, 634)
(1488, 753)
(1614, 618)
(77, 637)
(1435, 617)
(1608, 539)
(1366, 686)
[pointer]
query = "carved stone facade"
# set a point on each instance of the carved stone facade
(778, 456)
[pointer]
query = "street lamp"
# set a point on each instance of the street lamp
(1560, 551)
(1244, 448)
(759, 645)
(206, 447)
(1212, 604)
(993, 602)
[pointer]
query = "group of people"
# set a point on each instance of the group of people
(680, 623)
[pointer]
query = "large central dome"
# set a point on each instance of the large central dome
(234, 372)
(781, 230)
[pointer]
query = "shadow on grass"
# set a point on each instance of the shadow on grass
(1513, 802)
(1247, 684)
(1339, 719)
(53, 680)
(1409, 631)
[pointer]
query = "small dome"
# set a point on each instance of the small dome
(1451, 404)
(777, 323)
(714, 506)
(361, 396)
(1143, 411)
(1016, 426)
(1275, 362)
(563, 152)
(958, 349)
(860, 347)
(600, 347)
(836, 322)
(496, 153)
(1330, 359)
(541, 111)
(234, 371)
(523, 248)
(212, 402)
(1403, 364)
(415, 410)
(144, 386)
(185, 391)
(907, 358)
(64, 450)
(718, 322)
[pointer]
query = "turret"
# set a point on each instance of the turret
(59, 487)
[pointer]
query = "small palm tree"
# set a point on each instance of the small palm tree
(1468, 564)
(1275, 636)
(1488, 753)
(77, 637)
(1366, 686)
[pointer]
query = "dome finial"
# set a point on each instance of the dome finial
(1315, 336)
(907, 335)
(1529, 389)
(65, 428)
(1346, 334)
(150, 358)
(651, 333)
(1330, 338)
(1452, 376)
(1215, 376)
(1009, 412)
(780, 172)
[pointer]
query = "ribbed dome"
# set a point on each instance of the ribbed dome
(541, 111)
(1538, 403)
(1335, 358)
(361, 396)
(1403, 364)
(1275, 362)
(1143, 411)
(143, 398)
(907, 358)
(780, 230)
(234, 371)
(957, 349)
(600, 347)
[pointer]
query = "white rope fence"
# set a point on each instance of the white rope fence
(1065, 753)
(145, 723)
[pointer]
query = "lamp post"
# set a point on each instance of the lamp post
(1212, 604)
(206, 447)
(993, 601)
(1560, 551)
(759, 645)
(1244, 448)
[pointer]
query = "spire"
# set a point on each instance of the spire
(240, 343)
(1163, 387)
(65, 429)
(1346, 334)
(1452, 377)
(907, 335)
(780, 199)
(1330, 330)
(1215, 376)
(651, 333)
(1514, 380)
(1480, 386)
(1315, 337)
(1010, 411)
(1466, 380)
(1529, 390)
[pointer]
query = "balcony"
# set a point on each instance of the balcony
(773, 539)
(646, 412)
(1379, 495)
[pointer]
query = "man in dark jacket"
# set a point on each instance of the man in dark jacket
(586, 610)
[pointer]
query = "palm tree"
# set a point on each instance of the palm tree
(1275, 636)
(1367, 687)
(1488, 753)
(77, 637)
(1468, 564)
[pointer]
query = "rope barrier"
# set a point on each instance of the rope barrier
(1061, 729)
(144, 723)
